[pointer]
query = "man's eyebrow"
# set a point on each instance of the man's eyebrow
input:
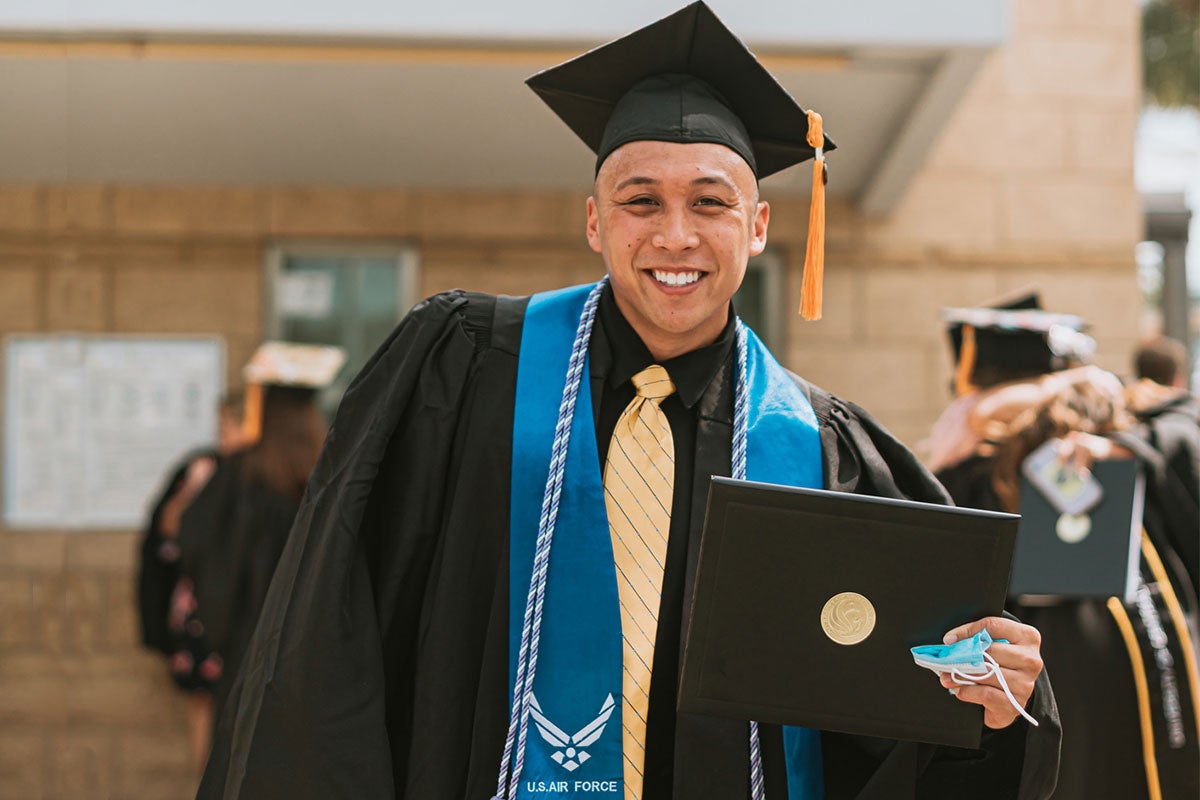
(637, 180)
(644, 180)
(713, 180)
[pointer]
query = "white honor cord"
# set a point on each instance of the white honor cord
(741, 417)
(513, 760)
(992, 669)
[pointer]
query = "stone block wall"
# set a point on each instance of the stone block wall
(1031, 183)
(84, 712)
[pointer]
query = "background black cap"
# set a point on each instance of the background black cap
(704, 86)
(1014, 340)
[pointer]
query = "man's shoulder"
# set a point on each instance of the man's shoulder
(826, 404)
(489, 321)
(829, 406)
(862, 456)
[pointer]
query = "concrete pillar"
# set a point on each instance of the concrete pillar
(1167, 220)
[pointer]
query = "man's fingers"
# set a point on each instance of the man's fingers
(998, 628)
(1016, 658)
(978, 695)
(1018, 683)
(966, 631)
(998, 712)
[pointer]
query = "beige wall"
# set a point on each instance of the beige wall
(84, 713)
(1031, 183)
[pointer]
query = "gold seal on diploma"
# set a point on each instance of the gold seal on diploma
(1073, 528)
(848, 618)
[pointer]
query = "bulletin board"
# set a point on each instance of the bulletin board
(92, 424)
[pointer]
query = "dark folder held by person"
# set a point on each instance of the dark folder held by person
(1094, 553)
(807, 603)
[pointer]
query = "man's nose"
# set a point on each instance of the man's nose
(677, 232)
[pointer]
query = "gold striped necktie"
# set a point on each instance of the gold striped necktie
(639, 478)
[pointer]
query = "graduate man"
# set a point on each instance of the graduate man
(510, 501)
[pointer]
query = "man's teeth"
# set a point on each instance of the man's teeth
(675, 278)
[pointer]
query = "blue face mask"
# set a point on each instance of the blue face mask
(966, 656)
(967, 662)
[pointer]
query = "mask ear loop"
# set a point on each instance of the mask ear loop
(992, 669)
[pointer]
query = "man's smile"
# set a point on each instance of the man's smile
(676, 279)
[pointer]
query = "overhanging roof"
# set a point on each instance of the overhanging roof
(96, 103)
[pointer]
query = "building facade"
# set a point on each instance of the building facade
(1009, 166)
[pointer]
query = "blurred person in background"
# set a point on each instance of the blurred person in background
(232, 532)
(1021, 381)
(1168, 418)
(165, 593)
(1163, 361)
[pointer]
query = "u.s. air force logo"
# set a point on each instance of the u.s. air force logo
(568, 750)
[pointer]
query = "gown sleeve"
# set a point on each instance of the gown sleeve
(1019, 761)
(158, 569)
(207, 545)
(231, 536)
(307, 715)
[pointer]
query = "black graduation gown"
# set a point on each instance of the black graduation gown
(1084, 648)
(231, 537)
(158, 564)
(380, 666)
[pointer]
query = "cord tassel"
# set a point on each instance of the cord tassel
(966, 362)
(252, 413)
(811, 293)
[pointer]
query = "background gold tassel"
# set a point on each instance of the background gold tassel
(253, 410)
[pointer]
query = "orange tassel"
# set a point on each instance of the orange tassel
(966, 362)
(814, 257)
(252, 413)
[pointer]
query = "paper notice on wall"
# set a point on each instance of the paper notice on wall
(93, 424)
(304, 294)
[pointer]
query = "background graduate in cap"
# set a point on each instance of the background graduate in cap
(484, 592)
(232, 533)
(1125, 674)
(164, 593)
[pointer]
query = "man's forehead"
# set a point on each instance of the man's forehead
(654, 161)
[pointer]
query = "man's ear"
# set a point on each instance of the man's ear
(593, 225)
(762, 216)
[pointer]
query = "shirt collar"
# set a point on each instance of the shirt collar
(691, 372)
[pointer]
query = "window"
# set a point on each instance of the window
(346, 295)
(759, 300)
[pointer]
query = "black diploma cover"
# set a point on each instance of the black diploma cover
(806, 604)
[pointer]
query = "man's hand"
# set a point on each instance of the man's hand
(1020, 661)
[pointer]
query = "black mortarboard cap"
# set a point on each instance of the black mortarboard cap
(1013, 340)
(286, 369)
(1031, 301)
(686, 78)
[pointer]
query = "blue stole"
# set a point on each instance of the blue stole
(574, 734)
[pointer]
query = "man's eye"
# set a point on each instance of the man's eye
(640, 201)
(711, 201)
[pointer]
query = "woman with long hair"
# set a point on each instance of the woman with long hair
(232, 534)
(164, 593)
